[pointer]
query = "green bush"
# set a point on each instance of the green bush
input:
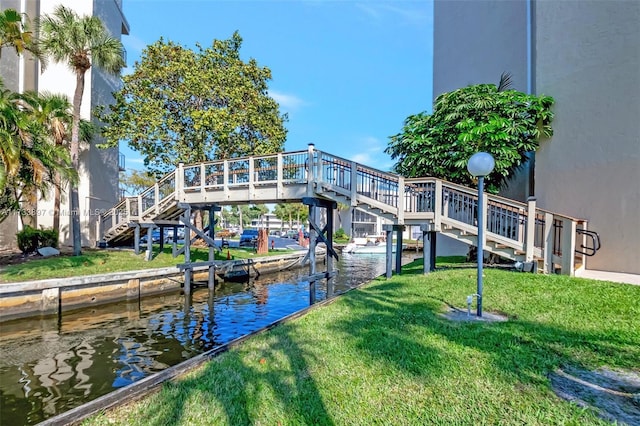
(30, 239)
(340, 234)
(27, 239)
(48, 238)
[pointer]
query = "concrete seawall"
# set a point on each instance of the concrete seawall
(54, 296)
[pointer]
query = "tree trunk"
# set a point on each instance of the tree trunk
(75, 162)
(56, 203)
(30, 205)
(197, 221)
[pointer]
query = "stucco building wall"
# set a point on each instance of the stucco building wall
(474, 43)
(586, 55)
(588, 59)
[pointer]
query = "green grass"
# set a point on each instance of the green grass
(103, 261)
(383, 355)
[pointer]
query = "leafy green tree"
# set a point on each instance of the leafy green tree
(80, 42)
(181, 105)
(288, 212)
(13, 131)
(15, 32)
(30, 161)
(483, 117)
(230, 216)
(133, 182)
(254, 211)
(55, 113)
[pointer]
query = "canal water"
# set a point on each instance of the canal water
(51, 365)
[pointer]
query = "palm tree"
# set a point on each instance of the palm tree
(30, 161)
(80, 42)
(54, 112)
(11, 135)
(15, 32)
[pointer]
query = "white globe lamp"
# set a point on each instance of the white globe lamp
(480, 165)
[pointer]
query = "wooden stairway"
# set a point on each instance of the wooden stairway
(514, 230)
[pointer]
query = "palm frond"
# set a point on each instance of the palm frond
(505, 82)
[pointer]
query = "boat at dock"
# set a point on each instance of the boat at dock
(366, 246)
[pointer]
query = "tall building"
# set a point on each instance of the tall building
(586, 55)
(98, 185)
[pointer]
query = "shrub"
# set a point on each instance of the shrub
(48, 238)
(27, 239)
(30, 239)
(340, 234)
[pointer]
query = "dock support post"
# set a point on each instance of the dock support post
(389, 236)
(330, 289)
(399, 249)
(136, 239)
(389, 252)
(212, 268)
(312, 256)
(174, 246)
(149, 243)
(325, 235)
(187, 252)
(429, 247)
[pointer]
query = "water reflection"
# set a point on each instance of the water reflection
(50, 365)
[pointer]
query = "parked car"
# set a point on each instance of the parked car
(155, 236)
(291, 234)
(305, 234)
(249, 237)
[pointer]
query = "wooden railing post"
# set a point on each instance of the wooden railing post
(156, 198)
(140, 207)
(280, 175)
(568, 245)
(531, 229)
(445, 203)
(310, 170)
(127, 203)
(179, 183)
(252, 181)
(203, 179)
(225, 177)
(437, 206)
(354, 184)
(400, 200)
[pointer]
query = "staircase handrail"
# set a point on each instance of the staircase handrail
(374, 187)
(157, 197)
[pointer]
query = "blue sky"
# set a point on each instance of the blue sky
(347, 72)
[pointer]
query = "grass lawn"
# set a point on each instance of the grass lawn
(383, 355)
(93, 261)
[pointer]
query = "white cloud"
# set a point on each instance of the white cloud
(362, 158)
(286, 101)
(134, 45)
(372, 154)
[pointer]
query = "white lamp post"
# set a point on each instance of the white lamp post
(480, 165)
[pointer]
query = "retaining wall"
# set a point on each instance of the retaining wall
(54, 296)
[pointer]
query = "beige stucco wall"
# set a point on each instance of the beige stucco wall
(588, 59)
(474, 42)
